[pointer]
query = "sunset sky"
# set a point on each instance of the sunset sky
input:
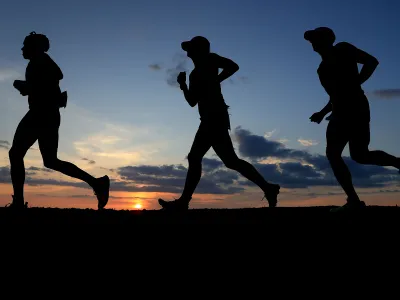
(125, 117)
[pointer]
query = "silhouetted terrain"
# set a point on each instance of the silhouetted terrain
(279, 218)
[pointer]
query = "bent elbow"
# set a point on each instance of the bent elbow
(235, 68)
(191, 101)
(374, 62)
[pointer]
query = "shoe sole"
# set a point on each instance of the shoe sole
(164, 206)
(358, 208)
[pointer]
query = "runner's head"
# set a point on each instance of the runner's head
(35, 44)
(321, 38)
(197, 46)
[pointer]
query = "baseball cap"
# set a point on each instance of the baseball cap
(196, 43)
(320, 33)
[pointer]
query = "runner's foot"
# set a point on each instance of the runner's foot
(177, 204)
(350, 206)
(271, 193)
(17, 204)
(102, 191)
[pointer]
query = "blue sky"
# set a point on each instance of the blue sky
(126, 109)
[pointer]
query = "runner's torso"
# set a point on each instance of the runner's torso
(339, 76)
(42, 77)
(204, 85)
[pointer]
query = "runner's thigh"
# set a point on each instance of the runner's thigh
(26, 133)
(48, 138)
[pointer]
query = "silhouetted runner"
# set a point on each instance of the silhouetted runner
(43, 120)
(205, 91)
(350, 118)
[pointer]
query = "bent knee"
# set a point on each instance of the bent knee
(232, 163)
(51, 163)
(15, 153)
(359, 156)
(11, 154)
(332, 153)
(194, 158)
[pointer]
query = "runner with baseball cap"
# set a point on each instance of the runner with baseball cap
(205, 91)
(350, 118)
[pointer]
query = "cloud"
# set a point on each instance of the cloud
(8, 73)
(257, 147)
(268, 134)
(117, 145)
(137, 173)
(180, 61)
(283, 141)
(155, 67)
(387, 93)
(297, 169)
(108, 169)
(307, 143)
(36, 169)
(31, 171)
(90, 162)
(5, 175)
(291, 168)
(389, 191)
(210, 164)
(243, 79)
(91, 196)
(238, 79)
(171, 178)
(146, 178)
(307, 170)
(4, 144)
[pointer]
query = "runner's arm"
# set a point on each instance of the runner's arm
(319, 116)
(21, 86)
(327, 109)
(369, 65)
(228, 66)
(368, 61)
(188, 95)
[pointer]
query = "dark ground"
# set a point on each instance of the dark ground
(291, 218)
(282, 232)
(285, 243)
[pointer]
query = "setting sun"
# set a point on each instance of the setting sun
(138, 206)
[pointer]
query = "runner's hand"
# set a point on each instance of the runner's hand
(317, 117)
(21, 87)
(181, 78)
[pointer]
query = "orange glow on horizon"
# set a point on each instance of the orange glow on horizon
(71, 197)
(138, 206)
